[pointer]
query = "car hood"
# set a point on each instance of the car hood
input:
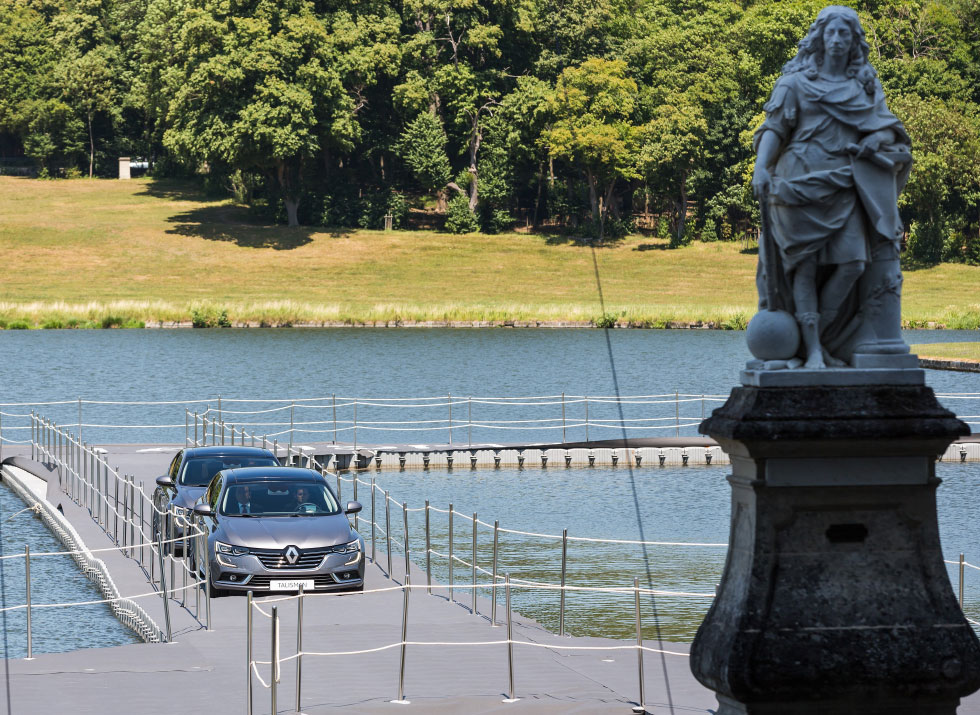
(187, 496)
(303, 532)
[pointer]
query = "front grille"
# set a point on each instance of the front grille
(260, 582)
(309, 559)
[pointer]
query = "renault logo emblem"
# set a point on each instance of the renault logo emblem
(292, 554)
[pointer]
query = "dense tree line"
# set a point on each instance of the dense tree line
(581, 113)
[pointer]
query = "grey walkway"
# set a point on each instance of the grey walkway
(207, 670)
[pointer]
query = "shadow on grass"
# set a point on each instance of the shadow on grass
(178, 190)
(653, 247)
(750, 251)
(230, 224)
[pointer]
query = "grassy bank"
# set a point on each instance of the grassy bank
(949, 351)
(112, 254)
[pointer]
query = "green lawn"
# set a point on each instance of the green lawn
(101, 251)
(953, 351)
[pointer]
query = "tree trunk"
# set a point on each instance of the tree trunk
(682, 208)
(289, 197)
(537, 199)
(593, 196)
(441, 201)
(91, 147)
(292, 209)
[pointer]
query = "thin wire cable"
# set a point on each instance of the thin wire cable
(632, 478)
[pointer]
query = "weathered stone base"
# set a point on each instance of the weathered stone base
(835, 597)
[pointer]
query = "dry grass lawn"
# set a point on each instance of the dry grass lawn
(144, 250)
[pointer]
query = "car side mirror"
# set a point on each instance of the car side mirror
(203, 510)
(353, 507)
(165, 482)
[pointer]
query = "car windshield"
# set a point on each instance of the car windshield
(280, 498)
(197, 471)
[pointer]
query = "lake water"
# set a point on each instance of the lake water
(667, 504)
(174, 365)
(673, 504)
(54, 579)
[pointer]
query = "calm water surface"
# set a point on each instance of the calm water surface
(674, 504)
(121, 365)
(54, 579)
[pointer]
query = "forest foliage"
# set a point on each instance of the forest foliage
(578, 114)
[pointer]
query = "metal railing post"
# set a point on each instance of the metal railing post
(563, 418)
(142, 526)
(640, 706)
(355, 499)
(469, 421)
(406, 549)
(961, 582)
(428, 551)
(388, 530)
(334, 397)
(677, 414)
(374, 522)
(163, 589)
(493, 585)
(248, 653)
(292, 407)
(195, 430)
(473, 569)
(586, 418)
(299, 646)
(401, 662)
(510, 640)
(274, 665)
(115, 521)
(79, 418)
(207, 578)
(125, 510)
(27, 573)
(564, 560)
(450, 551)
(187, 424)
(172, 548)
(355, 431)
(450, 418)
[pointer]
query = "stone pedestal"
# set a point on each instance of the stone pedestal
(124, 167)
(835, 598)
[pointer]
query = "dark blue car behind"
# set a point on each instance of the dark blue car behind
(188, 477)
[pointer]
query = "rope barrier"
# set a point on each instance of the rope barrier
(104, 600)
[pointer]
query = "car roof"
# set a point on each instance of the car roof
(226, 451)
(271, 474)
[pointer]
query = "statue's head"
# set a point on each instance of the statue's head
(833, 22)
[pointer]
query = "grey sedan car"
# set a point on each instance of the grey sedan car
(276, 529)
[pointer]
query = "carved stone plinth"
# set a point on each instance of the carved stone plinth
(835, 598)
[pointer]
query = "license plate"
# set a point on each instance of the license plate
(291, 585)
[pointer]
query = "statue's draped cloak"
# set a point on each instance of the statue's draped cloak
(823, 201)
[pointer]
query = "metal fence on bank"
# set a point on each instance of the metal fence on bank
(435, 420)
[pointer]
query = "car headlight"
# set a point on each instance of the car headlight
(350, 547)
(354, 548)
(223, 548)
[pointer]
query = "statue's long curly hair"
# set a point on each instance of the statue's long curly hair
(810, 54)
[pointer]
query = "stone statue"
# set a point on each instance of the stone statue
(831, 161)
